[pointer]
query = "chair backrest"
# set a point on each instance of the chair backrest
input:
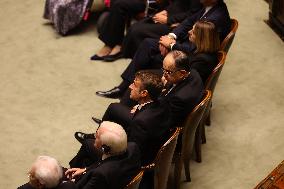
(191, 123)
(162, 163)
(214, 76)
(134, 183)
(227, 42)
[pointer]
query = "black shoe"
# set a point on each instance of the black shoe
(98, 121)
(113, 93)
(113, 57)
(82, 136)
(96, 57)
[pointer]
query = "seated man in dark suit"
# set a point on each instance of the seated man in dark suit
(152, 51)
(184, 86)
(46, 173)
(118, 163)
(146, 123)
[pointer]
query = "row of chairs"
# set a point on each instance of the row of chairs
(192, 131)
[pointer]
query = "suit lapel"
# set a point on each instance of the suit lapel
(142, 109)
(209, 12)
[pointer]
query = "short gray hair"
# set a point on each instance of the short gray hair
(114, 136)
(47, 171)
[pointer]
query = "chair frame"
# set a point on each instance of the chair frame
(227, 42)
(212, 81)
(134, 183)
(187, 133)
(161, 171)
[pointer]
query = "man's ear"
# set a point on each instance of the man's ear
(144, 93)
(36, 183)
(183, 73)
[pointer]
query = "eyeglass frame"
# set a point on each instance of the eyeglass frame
(168, 71)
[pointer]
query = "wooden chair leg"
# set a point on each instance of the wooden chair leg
(197, 143)
(208, 114)
(203, 134)
(177, 171)
(186, 163)
(208, 119)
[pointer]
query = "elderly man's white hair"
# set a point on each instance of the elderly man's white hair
(47, 171)
(114, 136)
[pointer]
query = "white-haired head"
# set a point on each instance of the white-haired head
(113, 136)
(45, 172)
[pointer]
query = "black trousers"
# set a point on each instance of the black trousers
(87, 155)
(148, 56)
(120, 11)
(145, 28)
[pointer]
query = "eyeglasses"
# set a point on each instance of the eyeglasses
(168, 71)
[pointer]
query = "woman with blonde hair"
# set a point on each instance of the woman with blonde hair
(205, 57)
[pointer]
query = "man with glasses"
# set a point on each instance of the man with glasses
(184, 86)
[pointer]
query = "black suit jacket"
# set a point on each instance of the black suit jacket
(63, 185)
(178, 10)
(112, 173)
(218, 14)
(150, 129)
(183, 98)
(203, 63)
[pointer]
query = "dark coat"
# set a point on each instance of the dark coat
(183, 98)
(148, 127)
(63, 185)
(112, 173)
(218, 14)
(204, 64)
(178, 10)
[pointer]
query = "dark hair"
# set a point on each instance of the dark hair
(151, 82)
(181, 60)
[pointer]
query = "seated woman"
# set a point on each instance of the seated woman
(65, 14)
(203, 59)
(112, 31)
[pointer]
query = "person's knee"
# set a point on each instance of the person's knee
(136, 30)
(149, 42)
(120, 5)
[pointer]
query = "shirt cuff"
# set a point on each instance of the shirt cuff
(171, 46)
(172, 35)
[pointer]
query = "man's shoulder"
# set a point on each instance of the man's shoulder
(66, 185)
(152, 112)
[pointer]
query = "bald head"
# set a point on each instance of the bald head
(45, 172)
